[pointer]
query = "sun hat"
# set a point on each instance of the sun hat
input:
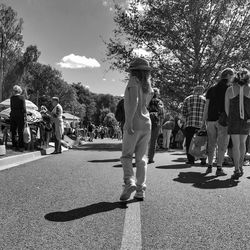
(139, 64)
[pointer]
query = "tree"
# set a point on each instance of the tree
(16, 73)
(110, 121)
(11, 42)
(188, 42)
(42, 82)
(103, 113)
(95, 104)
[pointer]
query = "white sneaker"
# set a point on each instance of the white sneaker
(127, 191)
(140, 193)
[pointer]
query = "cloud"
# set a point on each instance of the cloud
(78, 62)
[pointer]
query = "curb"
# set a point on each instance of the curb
(26, 157)
(19, 158)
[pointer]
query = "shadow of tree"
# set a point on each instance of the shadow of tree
(82, 212)
(200, 180)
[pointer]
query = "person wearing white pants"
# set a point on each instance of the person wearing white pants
(167, 128)
(166, 138)
(137, 129)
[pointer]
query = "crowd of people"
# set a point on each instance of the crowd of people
(52, 127)
(222, 111)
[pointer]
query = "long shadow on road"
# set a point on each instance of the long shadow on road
(180, 159)
(104, 160)
(200, 180)
(100, 147)
(174, 166)
(81, 212)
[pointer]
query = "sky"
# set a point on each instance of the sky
(70, 34)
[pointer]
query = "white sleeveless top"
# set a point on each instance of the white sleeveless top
(141, 119)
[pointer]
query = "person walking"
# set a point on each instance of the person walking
(137, 128)
(177, 127)
(193, 110)
(120, 114)
(237, 107)
(156, 111)
(214, 115)
(18, 117)
(167, 127)
(91, 129)
(58, 124)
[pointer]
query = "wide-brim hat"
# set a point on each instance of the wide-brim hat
(139, 64)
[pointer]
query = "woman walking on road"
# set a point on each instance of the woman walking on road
(216, 127)
(137, 128)
(237, 107)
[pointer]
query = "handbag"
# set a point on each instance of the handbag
(26, 133)
(223, 120)
(198, 145)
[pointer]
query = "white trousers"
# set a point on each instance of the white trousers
(217, 136)
(166, 137)
(137, 144)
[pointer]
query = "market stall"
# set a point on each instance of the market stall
(34, 119)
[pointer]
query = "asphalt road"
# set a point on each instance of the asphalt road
(71, 201)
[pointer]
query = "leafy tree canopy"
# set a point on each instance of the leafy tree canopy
(11, 41)
(188, 42)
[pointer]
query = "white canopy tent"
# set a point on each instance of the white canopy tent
(29, 104)
(70, 118)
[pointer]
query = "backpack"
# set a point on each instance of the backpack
(120, 113)
(155, 109)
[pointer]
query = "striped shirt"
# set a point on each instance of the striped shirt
(193, 109)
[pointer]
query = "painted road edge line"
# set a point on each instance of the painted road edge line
(131, 238)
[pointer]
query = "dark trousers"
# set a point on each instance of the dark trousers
(17, 126)
(189, 133)
(58, 146)
(153, 139)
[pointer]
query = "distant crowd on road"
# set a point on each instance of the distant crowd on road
(222, 112)
(52, 128)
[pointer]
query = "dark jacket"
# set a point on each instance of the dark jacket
(17, 106)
